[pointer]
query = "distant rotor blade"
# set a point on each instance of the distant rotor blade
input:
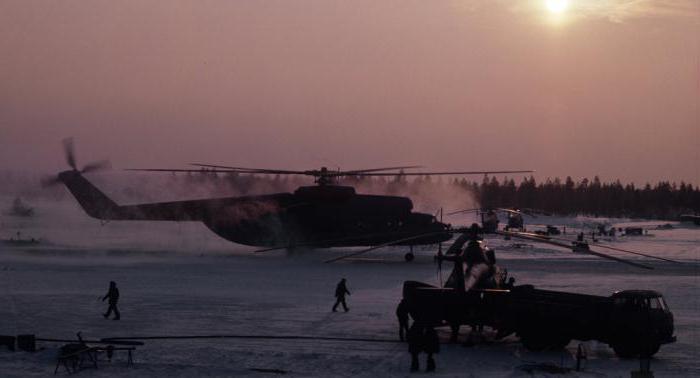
(636, 253)
(511, 211)
(253, 170)
(182, 170)
(307, 172)
(441, 173)
(69, 150)
(383, 245)
(349, 173)
(638, 265)
(563, 245)
(462, 211)
(224, 167)
(96, 166)
(614, 249)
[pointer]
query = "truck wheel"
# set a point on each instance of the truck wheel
(409, 257)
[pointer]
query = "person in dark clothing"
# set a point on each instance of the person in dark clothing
(113, 296)
(431, 345)
(422, 339)
(402, 315)
(340, 291)
(415, 344)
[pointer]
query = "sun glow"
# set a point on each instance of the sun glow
(557, 6)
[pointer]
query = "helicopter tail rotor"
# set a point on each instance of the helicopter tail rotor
(71, 161)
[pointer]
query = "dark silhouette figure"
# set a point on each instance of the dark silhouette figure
(402, 315)
(431, 345)
(113, 296)
(340, 291)
(422, 339)
(415, 341)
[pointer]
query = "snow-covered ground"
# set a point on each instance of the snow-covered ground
(180, 279)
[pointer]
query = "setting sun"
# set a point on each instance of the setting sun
(557, 6)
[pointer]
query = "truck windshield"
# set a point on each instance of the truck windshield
(658, 303)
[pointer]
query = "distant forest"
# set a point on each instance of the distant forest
(664, 200)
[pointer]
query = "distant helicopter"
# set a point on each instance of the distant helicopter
(490, 220)
(323, 215)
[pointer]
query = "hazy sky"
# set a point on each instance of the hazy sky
(603, 87)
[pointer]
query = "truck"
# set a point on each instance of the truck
(635, 323)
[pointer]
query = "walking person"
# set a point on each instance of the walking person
(340, 290)
(113, 296)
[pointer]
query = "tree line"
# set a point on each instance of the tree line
(664, 200)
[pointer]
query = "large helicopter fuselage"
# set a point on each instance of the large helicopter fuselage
(328, 216)
(323, 215)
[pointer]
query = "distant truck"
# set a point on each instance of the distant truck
(633, 322)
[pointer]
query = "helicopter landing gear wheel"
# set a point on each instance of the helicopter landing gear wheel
(409, 256)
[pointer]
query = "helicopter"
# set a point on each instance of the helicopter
(322, 215)
(490, 219)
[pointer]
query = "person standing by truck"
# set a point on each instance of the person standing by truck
(402, 315)
(422, 338)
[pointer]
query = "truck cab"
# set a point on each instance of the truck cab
(640, 322)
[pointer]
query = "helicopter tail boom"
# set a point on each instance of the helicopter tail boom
(98, 205)
(95, 203)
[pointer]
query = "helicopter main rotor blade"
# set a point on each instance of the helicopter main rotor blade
(253, 170)
(350, 173)
(383, 245)
(308, 172)
(180, 170)
(441, 173)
